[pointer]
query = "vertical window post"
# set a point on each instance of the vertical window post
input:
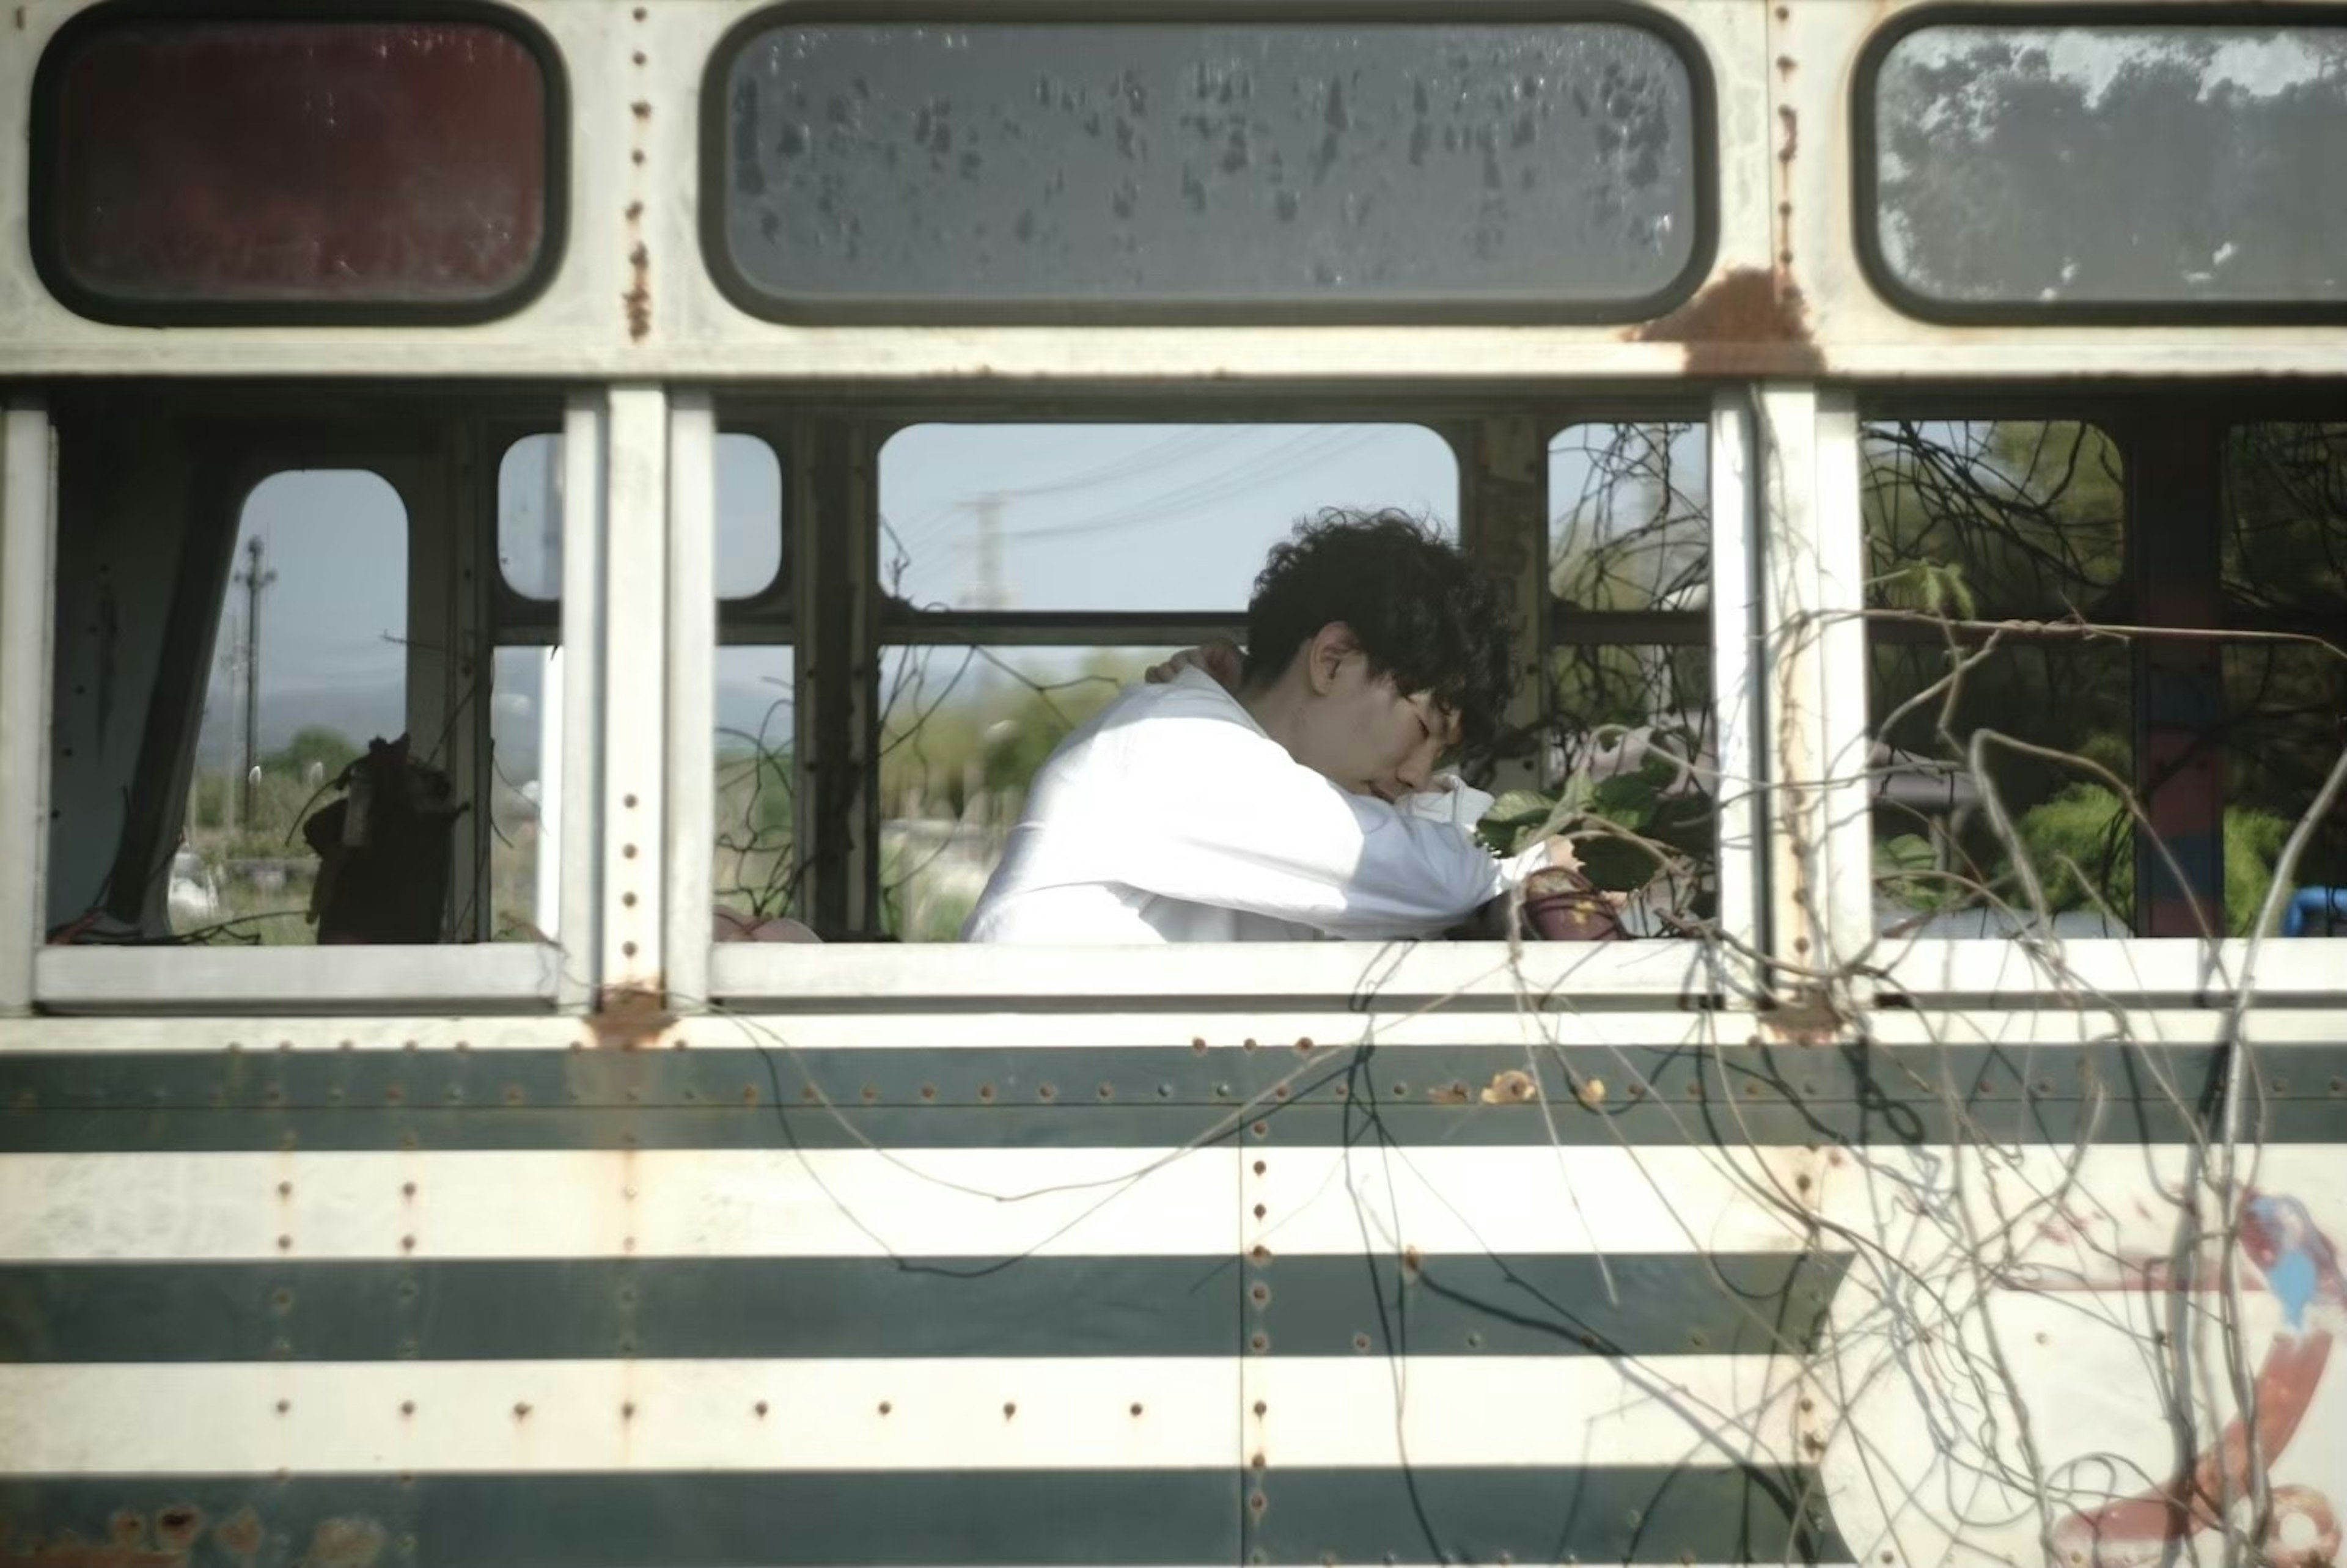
(584, 423)
(1821, 897)
(2175, 511)
(692, 662)
(631, 967)
(28, 539)
(1737, 677)
(1504, 522)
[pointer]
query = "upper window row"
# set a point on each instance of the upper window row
(286, 168)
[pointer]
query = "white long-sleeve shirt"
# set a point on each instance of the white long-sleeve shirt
(1170, 816)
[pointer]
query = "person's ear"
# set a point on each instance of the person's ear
(1326, 654)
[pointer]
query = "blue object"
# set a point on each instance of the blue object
(2315, 912)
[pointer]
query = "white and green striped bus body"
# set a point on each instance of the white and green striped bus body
(1797, 1235)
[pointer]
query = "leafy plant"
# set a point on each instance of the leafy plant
(1633, 832)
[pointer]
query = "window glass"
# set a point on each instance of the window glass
(525, 802)
(1988, 521)
(749, 477)
(1194, 165)
(2035, 168)
(310, 663)
(274, 167)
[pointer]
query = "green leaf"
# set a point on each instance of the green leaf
(1616, 865)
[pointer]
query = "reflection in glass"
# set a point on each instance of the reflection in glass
(2128, 165)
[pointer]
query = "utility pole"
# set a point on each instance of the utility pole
(991, 593)
(255, 579)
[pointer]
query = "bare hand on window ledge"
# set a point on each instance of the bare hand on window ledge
(1218, 656)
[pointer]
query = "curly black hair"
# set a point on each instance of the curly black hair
(1422, 612)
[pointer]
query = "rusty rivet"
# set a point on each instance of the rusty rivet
(761, 1407)
(1165, 1092)
(627, 949)
(406, 1406)
(1136, 1406)
(808, 1092)
(1010, 1408)
(1107, 1092)
(1261, 1293)
(1304, 1044)
(986, 1091)
(627, 852)
(1261, 1408)
(1247, 1045)
(1802, 1182)
(283, 1406)
(1260, 1253)
(1256, 1463)
(284, 1189)
(638, 58)
(869, 1093)
(1474, 1341)
(642, 110)
(1260, 1211)
(1258, 1502)
(929, 1092)
(1400, 1090)
(636, 156)
(629, 800)
(885, 1406)
(1045, 1092)
(1259, 1342)
(521, 1408)
(407, 1045)
(346, 1045)
(1360, 1341)
(749, 1095)
(1199, 1046)
(282, 1299)
(627, 900)
(628, 1411)
(1261, 1129)
(407, 1244)
(1261, 1166)
(513, 1095)
(284, 1243)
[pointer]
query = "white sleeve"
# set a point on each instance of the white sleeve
(1221, 814)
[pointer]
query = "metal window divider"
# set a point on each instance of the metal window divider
(1820, 900)
(583, 423)
(28, 592)
(1738, 693)
(633, 787)
(689, 828)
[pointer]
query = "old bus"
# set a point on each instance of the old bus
(525, 494)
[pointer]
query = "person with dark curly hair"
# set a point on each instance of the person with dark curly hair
(1290, 792)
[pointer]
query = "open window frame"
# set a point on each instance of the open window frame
(2172, 446)
(845, 621)
(452, 554)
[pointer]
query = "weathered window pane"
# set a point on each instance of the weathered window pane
(281, 167)
(1038, 166)
(749, 497)
(2114, 166)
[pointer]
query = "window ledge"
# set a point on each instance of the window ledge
(499, 976)
(2133, 971)
(1558, 976)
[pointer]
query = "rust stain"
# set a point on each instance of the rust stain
(1512, 1087)
(66, 1549)
(1791, 145)
(355, 1542)
(639, 297)
(239, 1535)
(1806, 1018)
(627, 1018)
(640, 109)
(1742, 323)
(178, 1526)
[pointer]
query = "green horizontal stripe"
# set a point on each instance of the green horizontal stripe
(1141, 1097)
(939, 1519)
(76, 1132)
(1628, 1513)
(860, 1307)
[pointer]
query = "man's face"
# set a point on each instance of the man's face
(1367, 736)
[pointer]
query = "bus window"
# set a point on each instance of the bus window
(310, 662)
(1036, 568)
(191, 169)
(1628, 725)
(1989, 520)
(2155, 171)
(1038, 170)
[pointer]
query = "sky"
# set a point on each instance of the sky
(1103, 517)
